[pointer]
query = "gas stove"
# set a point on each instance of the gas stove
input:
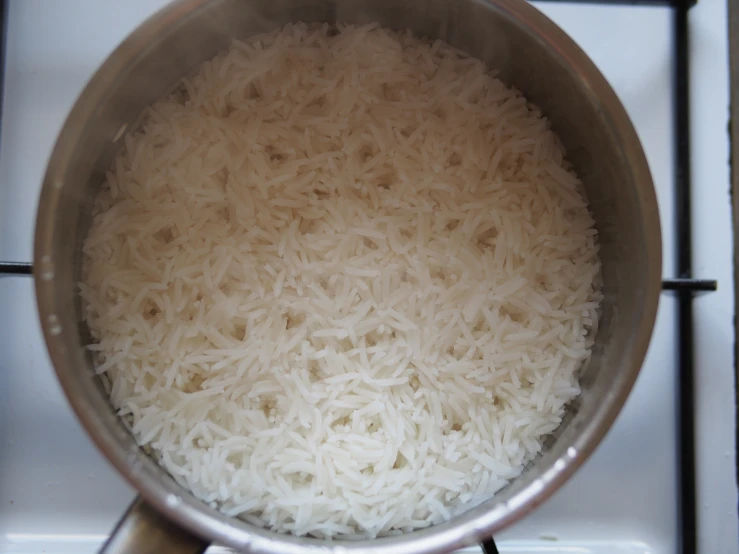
(663, 480)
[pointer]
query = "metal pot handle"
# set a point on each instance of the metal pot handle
(142, 530)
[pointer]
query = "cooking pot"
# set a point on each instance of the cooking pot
(528, 52)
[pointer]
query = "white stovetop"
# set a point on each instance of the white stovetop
(58, 495)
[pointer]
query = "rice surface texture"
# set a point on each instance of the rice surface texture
(341, 282)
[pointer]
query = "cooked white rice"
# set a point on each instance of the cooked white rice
(342, 284)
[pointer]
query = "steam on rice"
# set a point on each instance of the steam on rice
(341, 281)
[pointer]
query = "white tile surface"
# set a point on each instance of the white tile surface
(58, 495)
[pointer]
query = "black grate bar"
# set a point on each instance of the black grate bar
(686, 508)
(678, 285)
(16, 268)
(689, 285)
(489, 547)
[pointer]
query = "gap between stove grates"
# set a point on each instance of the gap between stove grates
(685, 286)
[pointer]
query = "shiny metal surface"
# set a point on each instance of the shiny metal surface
(143, 530)
(530, 53)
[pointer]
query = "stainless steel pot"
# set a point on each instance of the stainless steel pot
(531, 53)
